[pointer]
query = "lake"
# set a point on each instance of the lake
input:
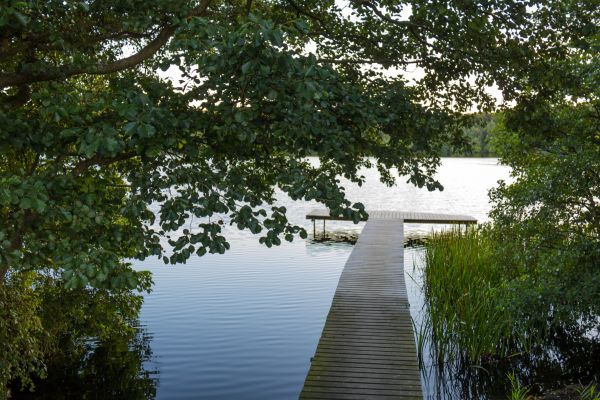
(245, 324)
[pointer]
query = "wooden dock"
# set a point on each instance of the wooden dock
(367, 348)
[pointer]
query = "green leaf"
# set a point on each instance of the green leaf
(130, 128)
(301, 25)
(38, 205)
(246, 66)
(23, 19)
(238, 117)
(26, 203)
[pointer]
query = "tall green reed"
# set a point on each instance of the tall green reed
(463, 286)
(590, 392)
(518, 391)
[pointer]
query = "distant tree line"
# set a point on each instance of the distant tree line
(479, 138)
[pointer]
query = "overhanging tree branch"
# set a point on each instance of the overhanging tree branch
(387, 18)
(366, 61)
(26, 78)
(83, 165)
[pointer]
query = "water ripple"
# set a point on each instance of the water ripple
(244, 325)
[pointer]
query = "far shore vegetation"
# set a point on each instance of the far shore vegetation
(479, 138)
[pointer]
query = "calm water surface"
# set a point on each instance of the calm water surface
(244, 325)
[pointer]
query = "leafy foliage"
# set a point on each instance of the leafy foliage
(111, 367)
(92, 134)
(541, 252)
(88, 143)
(480, 328)
(548, 220)
(20, 353)
(479, 137)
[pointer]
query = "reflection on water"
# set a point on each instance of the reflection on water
(100, 370)
(242, 325)
(566, 360)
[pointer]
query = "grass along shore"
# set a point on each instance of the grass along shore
(479, 325)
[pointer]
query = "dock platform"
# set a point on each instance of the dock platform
(406, 216)
(367, 348)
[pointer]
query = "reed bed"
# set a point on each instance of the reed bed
(478, 322)
(467, 317)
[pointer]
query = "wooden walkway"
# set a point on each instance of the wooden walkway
(367, 348)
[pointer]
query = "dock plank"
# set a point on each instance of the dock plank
(367, 348)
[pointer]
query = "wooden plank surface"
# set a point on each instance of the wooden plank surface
(406, 216)
(367, 348)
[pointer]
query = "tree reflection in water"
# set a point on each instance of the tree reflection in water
(109, 369)
(88, 341)
(569, 357)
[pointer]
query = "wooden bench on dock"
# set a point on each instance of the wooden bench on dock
(367, 348)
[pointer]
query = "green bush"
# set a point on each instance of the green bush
(20, 333)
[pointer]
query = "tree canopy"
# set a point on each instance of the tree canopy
(548, 220)
(92, 133)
